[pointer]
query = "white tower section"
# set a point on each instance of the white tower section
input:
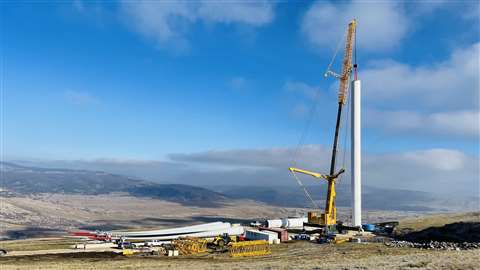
(356, 162)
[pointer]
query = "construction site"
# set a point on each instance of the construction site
(318, 240)
(320, 237)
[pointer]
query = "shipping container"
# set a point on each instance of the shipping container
(282, 234)
(258, 235)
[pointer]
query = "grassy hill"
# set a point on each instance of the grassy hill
(31, 180)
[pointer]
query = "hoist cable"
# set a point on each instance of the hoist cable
(303, 136)
(309, 123)
(301, 141)
(305, 190)
(340, 42)
(347, 129)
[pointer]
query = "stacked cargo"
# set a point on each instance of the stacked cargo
(282, 234)
(268, 236)
(203, 230)
(287, 223)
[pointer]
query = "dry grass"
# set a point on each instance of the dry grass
(70, 211)
(59, 212)
(437, 220)
(299, 255)
(296, 255)
(37, 244)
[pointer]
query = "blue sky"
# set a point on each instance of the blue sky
(141, 80)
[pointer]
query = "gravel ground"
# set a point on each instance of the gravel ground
(434, 245)
(297, 255)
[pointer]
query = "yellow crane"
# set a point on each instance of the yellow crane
(329, 217)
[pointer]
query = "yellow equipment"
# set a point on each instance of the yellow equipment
(221, 242)
(190, 245)
(341, 241)
(329, 217)
(249, 248)
(127, 252)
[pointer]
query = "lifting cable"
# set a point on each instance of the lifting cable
(305, 190)
(300, 144)
(337, 49)
(308, 125)
(344, 147)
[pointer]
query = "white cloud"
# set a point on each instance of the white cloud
(461, 123)
(161, 21)
(468, 10)
(309, 155)
(381, 25)
(80, 98)
(427, 7)
(440, 98)
(431, 170)
(393, 120)
(452, 84)
(303, 95)
(302, 88)
(437, 159)
(465, 123)
(253, 13)
(168, 21)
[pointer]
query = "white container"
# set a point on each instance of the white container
(274, 223)
(286, 222)
(95, 245)
(296, 222)
(157, 243)
(276, 241)
(261, 235)
(172, 253)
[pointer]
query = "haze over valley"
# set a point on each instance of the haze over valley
(44, 201)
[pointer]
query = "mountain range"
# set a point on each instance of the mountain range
(30, 180)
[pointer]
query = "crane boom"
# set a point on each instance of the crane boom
(347, 62)
(314, 174)
(329, 217)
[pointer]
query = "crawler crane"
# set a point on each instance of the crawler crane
(328, 219)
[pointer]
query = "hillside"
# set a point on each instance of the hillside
(31, 180)
(372, 198)
(54, 253)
